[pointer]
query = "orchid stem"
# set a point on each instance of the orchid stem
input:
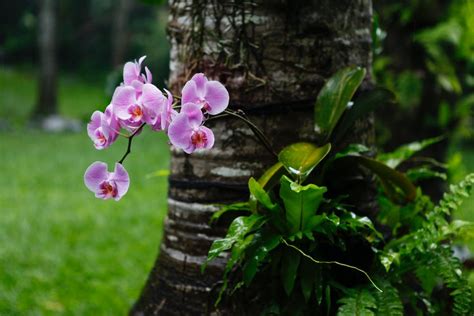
(258, 132)
(129, 146)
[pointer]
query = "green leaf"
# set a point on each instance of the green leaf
(234, 207)
(301, 202)
(258, 194)
(264, 243)
(271, 176)
(334, 97)
(289, 266)
(237, 231)
(422, 173)
(352, 150)
(365, 103)
(388, 176)
(387, 258)
(301, 158)
(394, 158)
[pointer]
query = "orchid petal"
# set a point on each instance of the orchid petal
(189, 92)
(95, 175)
(209, 136)
(149, 76)
(201, 81)
(179, 132)
(130, 72)
(122, 180)
(194, 114)
(94, 124)
(217, 97)
(123, 97)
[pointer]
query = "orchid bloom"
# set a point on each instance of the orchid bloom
(154, 103)
(212, 96)
(167, 114)
(104, 184)
(187, 132)
(133, 109)
(132, 75)
(103, 128)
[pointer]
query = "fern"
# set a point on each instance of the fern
(427, 251)
(438, 261)
(388, 301)
(452, 200)
(450, 270)
(358, 302)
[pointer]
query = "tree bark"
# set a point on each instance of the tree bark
(273, 56)
(47, 97)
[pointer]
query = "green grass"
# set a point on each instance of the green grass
(62, 251)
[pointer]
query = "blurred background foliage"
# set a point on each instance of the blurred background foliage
(61, 250)
(424, 52)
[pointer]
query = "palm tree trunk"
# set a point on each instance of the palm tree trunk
(273, 56)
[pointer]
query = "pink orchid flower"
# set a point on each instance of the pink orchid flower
(167, 114)
(212, 96)
(187, 132)
(103, 128)
(104, 184)
(132, 109)
(132, 75)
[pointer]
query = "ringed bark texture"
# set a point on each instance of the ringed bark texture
(273, 57)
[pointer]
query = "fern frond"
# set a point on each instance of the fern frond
(359, 302)
(450, 270)
(388, 301)
(452, 200)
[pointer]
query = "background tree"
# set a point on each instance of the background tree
(47, 97)
(120, 34)
(273, 56)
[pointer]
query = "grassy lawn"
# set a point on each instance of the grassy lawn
(62, 251)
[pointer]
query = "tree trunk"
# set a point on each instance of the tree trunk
(120, 34)
(47, 98)
(273, 56)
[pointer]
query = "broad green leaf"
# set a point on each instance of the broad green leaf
(263, 244)
(402, 153)
(301, 158)
(387, 175)
(237, 250)
(289, 267)
(258, 194)
(271, 176)
(234, 207)
(237, 231)
(365, 103)
(333, 99)
(301, 202)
